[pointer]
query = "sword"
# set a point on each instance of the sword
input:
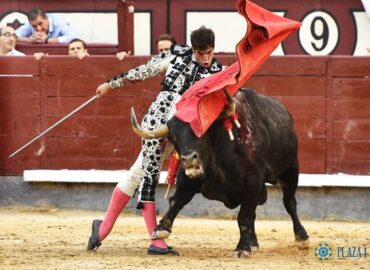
(53, 126)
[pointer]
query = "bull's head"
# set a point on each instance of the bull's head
(184, 140)
(192, 150)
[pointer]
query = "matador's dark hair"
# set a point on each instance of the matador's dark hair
(202, 38)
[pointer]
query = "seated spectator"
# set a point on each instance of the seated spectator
(45, 28)
(77, 47)
(164, 43)
(8, 40)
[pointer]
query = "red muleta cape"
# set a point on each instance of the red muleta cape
(202, 103)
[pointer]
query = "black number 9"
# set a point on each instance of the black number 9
(324, 36)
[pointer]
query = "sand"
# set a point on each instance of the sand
(46, 238)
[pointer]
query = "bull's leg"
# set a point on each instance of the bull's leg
(246, 218)
(185, 191)
(289, 185)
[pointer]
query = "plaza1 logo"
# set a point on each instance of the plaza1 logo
(351, 251)
(324, 251)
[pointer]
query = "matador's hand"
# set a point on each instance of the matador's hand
(102, 90)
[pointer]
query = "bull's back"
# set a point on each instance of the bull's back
(263, 108)
(271, 126)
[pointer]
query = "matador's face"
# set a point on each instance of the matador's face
(204, 57)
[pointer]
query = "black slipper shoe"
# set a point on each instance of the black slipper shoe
(153, 250)
(94, 238)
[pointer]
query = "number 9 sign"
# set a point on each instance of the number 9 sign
(319, 34)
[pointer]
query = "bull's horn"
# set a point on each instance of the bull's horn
(152, 134)
(232, 106)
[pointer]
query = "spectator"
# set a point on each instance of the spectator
(164, 43)
(77, 47)
(45, 28)
(8, 40)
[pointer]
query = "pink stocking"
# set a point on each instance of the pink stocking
(151, 223)
(117, 203)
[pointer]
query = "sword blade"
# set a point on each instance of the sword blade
(53, 126)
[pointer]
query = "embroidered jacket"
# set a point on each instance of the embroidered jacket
(179, 64)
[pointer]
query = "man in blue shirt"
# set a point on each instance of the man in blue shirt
(45, 28)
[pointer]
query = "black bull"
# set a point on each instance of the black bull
(235, 172)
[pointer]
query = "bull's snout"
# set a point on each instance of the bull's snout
(188, 158)
(192, 164)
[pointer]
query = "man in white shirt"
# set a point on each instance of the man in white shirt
(8, 40)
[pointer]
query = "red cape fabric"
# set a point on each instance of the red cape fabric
(202, 103)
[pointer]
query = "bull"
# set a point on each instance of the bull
(235, 172)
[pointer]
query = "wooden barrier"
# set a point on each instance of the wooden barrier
(62, 49)
(327, 97)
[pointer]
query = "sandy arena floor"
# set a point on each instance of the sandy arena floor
(43, 238)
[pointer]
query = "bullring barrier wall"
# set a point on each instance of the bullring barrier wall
(328, 97)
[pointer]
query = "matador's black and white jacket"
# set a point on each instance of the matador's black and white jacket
(181, 71)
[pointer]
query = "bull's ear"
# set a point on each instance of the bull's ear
(147, 134)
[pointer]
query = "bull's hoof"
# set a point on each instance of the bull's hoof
(160, 234)
(301, 234)
(302, 239)
(243, 254)
(302, 245)
(254, 248)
